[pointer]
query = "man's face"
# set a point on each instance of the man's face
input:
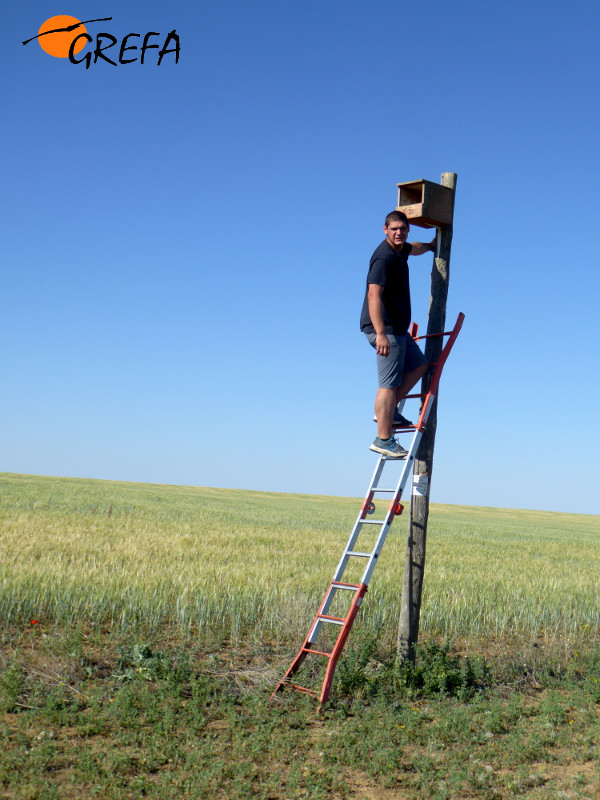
(396, 233)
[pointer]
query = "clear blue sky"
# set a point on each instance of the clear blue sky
(184, 247)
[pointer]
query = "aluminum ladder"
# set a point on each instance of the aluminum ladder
(328, 614)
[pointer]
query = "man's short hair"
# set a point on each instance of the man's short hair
(396, 216)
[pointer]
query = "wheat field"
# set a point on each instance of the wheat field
(233, 562)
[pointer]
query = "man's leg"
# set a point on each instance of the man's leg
(385, 403)
(408, 382)
(389, 369)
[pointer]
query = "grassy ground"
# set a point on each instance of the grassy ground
(144, 628)
(87, 714)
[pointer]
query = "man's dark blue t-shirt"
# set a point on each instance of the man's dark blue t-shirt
(389, 268)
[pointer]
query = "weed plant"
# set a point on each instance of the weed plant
(432, 671)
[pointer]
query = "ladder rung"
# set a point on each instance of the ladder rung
(301, 689)
(360, 555)
(433, 335)
(315, 652)
(372, 521)
(334, 620)
(377, 489)
(347, 586)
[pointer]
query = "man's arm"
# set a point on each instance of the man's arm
(419, 248)
(382, 343)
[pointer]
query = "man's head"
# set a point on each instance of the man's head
(396, 228)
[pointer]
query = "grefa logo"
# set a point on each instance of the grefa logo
(63, 36)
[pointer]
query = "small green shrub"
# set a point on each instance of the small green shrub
(12, 687)
(138, 661)
(353, 672)
(434, 672)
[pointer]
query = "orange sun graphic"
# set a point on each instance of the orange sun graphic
(58, 44)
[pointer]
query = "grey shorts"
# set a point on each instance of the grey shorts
(405, 356)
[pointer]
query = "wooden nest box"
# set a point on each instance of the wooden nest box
(427, 204)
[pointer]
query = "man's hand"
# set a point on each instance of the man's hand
(382, 345)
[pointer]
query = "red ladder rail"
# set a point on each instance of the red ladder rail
(332, 657)
(439, 366)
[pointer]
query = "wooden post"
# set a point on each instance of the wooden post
(414, 566)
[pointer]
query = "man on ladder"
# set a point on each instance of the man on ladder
(385, 319)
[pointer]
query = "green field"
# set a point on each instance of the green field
(257, 563)
(167, 613)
